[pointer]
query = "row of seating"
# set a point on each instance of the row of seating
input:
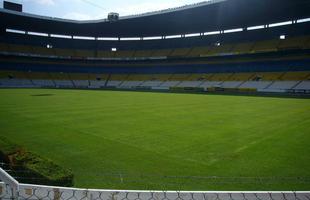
(257, 76)
(302, 42)
(275, 86)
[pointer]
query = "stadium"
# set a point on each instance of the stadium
(204, 101)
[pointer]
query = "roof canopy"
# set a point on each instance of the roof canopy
(204, 17)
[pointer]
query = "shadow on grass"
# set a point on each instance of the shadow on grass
(42, 95)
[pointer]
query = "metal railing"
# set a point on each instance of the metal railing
(10, 189)
(11, 186)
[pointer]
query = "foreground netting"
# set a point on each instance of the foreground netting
(11, 189)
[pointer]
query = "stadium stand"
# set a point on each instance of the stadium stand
(276, 82)
(265, 46)
(210, 50)
(143, 53)
(264, 54)
(257, 46)
(304, 85)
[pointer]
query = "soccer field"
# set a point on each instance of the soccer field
(141, 140)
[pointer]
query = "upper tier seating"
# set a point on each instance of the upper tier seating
(139, 77)
(199, 51)
(181, 52)
(222, 49)
(298, 42)
(243, 48)
(143, 53)
(59, 76)
(123, 54)
(266, 46)
(294, 76)
(220, 77)
(161, 52)
(39, 75)
(179, 77)
(242, 76)
(294, 43)
(268, 76)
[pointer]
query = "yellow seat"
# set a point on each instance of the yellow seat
(307, 43)
(143, 53)
(220, 76)
(64, 52)
(269, 76)
(20, 48)
(105, 54)
(43, 51)
(7, 74)
(199, 77)
(78, 76)
(59, 76)
(198, 51)
(222, 49)
(179, 77)
(84, 53)
(242, 76)
(98, 76)
(296, 76)
(243, 48)
(180, 52)
(293, 43)
(266, 46)
(38, 75)
(161, 77)
(4, 47)
(161, 52)
(124, 54)
(3, 74)
(119, 77)
(139, 77)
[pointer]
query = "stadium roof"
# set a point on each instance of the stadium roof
(203, 17)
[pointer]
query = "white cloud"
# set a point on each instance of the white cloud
(44, 2)
(126, 9)
(87, 9)
(123, 10)
(147, 7)
(77, 16)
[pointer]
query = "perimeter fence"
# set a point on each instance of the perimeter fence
(164, 182)
(11, 189)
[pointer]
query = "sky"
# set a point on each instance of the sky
(95, 9)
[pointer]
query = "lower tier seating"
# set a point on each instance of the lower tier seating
(263, 81)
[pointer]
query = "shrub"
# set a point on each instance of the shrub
(32, 168)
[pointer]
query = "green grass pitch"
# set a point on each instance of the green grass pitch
(138, 140)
